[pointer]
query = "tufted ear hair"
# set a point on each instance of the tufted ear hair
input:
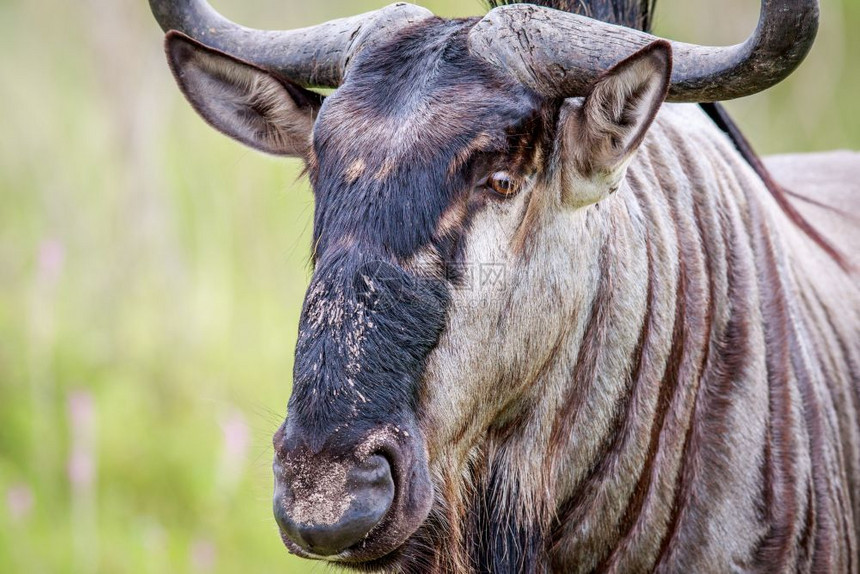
(601, 133)
(245, 102)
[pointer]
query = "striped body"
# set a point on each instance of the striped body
(691, 405)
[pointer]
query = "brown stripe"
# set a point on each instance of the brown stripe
(668, 388)
(822, 341)
(619, 436)
(774, 551)
(812, 417)
(688, 471)
(585, 367)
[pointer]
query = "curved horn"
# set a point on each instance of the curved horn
(561, 54)
(313, 57)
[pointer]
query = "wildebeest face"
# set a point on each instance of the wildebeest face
(402, 157)
(431, 307)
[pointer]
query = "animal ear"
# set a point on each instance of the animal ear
(601, 133)
(247, 103)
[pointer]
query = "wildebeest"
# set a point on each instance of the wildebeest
(554, 324)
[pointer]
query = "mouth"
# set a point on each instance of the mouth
(352, 558)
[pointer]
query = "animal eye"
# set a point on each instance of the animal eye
(504, 184)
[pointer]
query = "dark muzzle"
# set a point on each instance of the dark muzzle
(329, 509)
(350, 505)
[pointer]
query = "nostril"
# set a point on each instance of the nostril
(336, 512)
(373, 475)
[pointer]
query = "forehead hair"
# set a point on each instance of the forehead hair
(393, 144)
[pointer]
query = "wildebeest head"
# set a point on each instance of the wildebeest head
(447, 177)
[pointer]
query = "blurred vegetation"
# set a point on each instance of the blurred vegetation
(152, 273)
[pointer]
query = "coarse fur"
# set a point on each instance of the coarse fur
(637, 361)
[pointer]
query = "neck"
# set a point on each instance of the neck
(698, 401)
(664, 420)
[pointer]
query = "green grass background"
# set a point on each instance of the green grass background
(152, 272)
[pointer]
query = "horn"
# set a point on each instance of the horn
(317, 56)
(560, 54)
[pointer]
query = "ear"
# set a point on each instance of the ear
(247, 103)
(601, 133)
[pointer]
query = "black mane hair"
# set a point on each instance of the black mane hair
(636, 14)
